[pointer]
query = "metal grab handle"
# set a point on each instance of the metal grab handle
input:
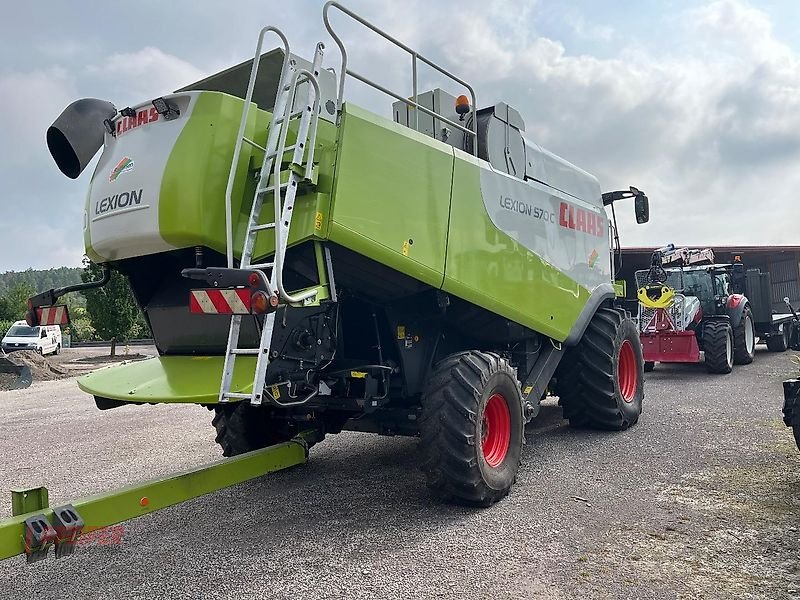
(243, 124)
(415, 56)
(281, 231)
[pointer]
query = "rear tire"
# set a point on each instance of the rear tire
(471, 428)
(242, 427)
(718, 347)
(600, 382)
(57, 351)
(779, 342)
(649, 366)
(744, 339)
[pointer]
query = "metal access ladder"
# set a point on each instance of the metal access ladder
(283, 193)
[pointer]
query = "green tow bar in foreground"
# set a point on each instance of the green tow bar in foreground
(33, 532)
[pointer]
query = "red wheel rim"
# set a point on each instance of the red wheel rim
(626, 371)
(496, 435)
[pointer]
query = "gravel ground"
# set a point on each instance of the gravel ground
(700, 500)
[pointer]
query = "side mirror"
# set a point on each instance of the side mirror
(642, 207)
(44, 334)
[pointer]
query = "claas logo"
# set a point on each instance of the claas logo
(579, 219)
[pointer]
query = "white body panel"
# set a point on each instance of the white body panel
(568, 233)
(122, 208)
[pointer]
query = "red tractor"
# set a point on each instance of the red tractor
(689, 303)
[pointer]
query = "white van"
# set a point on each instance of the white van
(45, 339)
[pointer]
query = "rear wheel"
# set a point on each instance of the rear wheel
(718, 346)
(57, 351)
(649, 366)
(471, 428)
(242, 427)
(779, 342)
(744, 339)
(600, 381)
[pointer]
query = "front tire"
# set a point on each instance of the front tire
(600, 382)
(471, 428)
(718, 347)
(744, 339)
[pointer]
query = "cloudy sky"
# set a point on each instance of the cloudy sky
(697, 102)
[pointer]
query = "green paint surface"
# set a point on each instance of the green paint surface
(141, 499)
(391, 196)
(191, 207)
(193, 379)
(488, 268)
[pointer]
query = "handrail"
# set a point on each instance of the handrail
(415, 56)
(311, 114)
(242, 125)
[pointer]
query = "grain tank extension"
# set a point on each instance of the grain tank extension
(307, 265)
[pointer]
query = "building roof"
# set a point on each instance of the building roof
(741, 249)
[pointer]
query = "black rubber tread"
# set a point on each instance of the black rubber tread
(450, 426)
(779, 343)
(587, 378)
(242, 427)
(649, 366)
(740, 354)
(715, 334)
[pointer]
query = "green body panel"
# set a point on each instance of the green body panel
(313, 203)
(391, 197)
(191, 210)
(488, 268)
(193, 379)
(127, 503)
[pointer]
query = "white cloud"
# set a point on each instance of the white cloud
(707, 122)
(145, 73)
(29, 102)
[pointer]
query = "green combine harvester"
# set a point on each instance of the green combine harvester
(307, 267)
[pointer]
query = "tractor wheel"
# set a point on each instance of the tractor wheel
(471, 428)
(718, 346)
(242, 427)
(779, 342)
(649, 366)
(744, 339)
(600, 381)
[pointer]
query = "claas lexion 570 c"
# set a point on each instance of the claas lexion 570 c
(306, 266)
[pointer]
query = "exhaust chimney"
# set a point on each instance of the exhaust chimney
(78, 133)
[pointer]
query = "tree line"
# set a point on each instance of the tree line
(109, 313)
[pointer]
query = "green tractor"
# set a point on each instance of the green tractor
(306, 266)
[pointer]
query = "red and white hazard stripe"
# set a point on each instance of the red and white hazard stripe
(220, 302)
(53, 315)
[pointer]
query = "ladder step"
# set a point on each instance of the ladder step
(271, 188)
(245, 351)
(262, 227)
(236, 395)
(286, 149)
(278, 120)
(254, 144)
(262, 265)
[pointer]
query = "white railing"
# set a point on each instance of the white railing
(416, 57)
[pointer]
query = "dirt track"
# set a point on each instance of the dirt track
(700, 500)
